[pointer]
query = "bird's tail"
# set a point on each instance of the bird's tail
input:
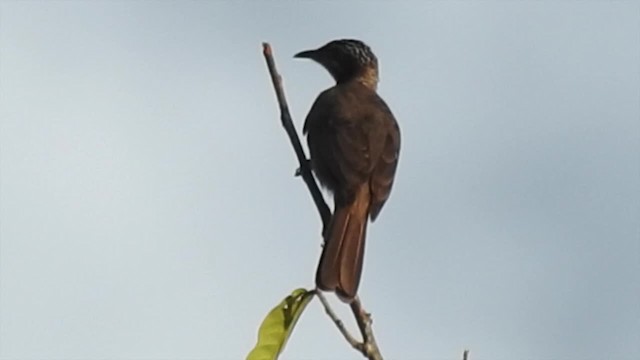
(342, 256)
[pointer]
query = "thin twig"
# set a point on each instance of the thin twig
(369, 347)
(339, 324)
(287, 123)
(363, 319)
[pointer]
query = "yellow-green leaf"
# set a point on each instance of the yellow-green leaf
(278, 325)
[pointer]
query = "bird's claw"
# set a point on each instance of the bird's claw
(307, 164)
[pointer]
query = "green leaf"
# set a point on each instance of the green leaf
(278, 325)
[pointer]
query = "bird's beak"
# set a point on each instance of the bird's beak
(309, 54)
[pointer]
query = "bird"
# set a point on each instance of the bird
(354, 145)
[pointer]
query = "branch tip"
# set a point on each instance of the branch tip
(266, 48)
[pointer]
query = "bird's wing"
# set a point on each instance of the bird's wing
(339, 144)
(387, 152)
(353, 140)
(351, 152)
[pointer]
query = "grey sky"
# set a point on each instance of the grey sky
(148, 208)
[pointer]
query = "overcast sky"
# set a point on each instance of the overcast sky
(148, 208)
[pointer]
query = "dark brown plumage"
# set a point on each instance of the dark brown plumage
(354, 142)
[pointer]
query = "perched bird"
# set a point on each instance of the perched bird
(354, 142)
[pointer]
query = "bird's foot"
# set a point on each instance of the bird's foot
(307, 164)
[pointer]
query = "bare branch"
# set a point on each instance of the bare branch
(339, 324)
(287, 123)
(369, 347)
(363, 318)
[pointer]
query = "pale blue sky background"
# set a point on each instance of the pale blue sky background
(148, 208)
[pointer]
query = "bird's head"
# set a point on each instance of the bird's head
(346, 60)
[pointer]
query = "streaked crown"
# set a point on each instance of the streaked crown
(346, 60)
